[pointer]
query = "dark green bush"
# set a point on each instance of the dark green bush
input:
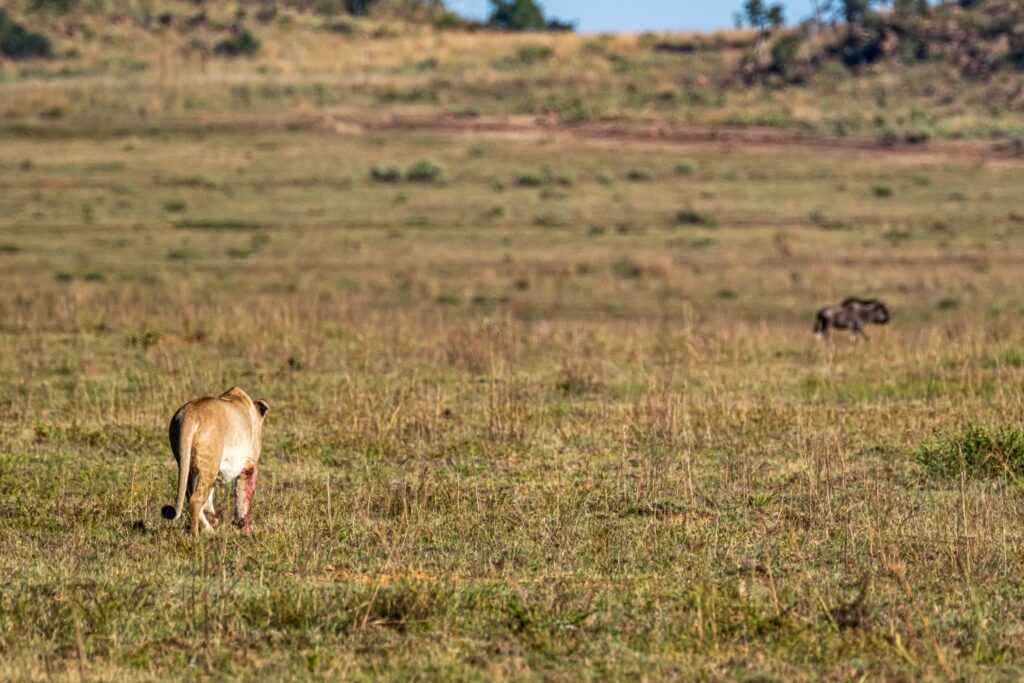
(239, 44)
(691, 216)
(534, 178)
(543, 177)
(883, 190)
(16, 42)
(359, 7)
(517, 15)
(977, 451)
(425, 171)
(386, 174)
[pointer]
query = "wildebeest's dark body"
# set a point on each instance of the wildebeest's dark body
(853, 314)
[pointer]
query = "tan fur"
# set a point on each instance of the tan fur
(216, 439)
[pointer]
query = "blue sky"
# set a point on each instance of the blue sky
(640, 15)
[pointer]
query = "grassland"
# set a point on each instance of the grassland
(557, 414)
(122, 66)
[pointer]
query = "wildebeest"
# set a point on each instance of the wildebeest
(853, 314)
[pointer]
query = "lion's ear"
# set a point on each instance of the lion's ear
(263, 407)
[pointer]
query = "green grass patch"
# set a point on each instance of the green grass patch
(976, 451)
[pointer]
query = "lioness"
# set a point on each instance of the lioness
(216, 437)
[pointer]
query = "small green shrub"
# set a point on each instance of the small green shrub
(691, 216)
(425, 171)
(239, 44)
(386, 174)
(174, 206)
(534, 178)
(977, 451)
(686, 167)
(883, 190)
(918, 135)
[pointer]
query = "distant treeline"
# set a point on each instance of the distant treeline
(18, 42)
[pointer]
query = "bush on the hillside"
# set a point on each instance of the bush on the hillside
(686, 167)
(241, 43)
(690, 216)
(386, 174)
(359, 7)
(978, 38)
(883, 190)
(762, 16)
(16, 42)
(545, 176)
(517, 15)
(533, 178)
(425, 171)
(54, 5)
(523, 15)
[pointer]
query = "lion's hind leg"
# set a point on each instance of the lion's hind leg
(209, 512)
(202, 494)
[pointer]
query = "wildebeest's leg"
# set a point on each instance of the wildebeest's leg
(858, 330)
(821, 325)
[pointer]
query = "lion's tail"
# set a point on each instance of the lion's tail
(181, 433)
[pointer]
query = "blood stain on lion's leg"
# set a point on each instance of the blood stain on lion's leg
(245, 490)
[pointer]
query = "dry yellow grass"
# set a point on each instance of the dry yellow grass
(557, 416)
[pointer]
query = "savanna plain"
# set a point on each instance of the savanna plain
(543, 405)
